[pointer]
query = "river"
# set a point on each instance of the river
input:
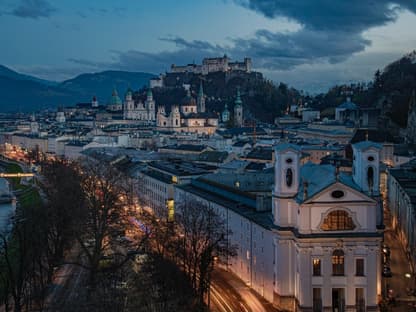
(6, 210)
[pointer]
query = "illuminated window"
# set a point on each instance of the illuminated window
(337, 220)
(338, 262)
(359, 267)
(316, 267)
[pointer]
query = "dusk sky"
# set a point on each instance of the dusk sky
(308, 44)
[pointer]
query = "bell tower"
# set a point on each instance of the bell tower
(366, 166)
(286, 184)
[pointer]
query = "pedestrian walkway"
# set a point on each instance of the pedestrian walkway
(399, 285)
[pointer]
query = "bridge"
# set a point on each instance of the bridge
(16, 175)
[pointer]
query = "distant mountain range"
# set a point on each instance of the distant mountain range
(26, 93)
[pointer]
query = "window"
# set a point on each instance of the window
(338, 262)
(316, 267)
(289, 177)
(370, 177)
(338, 220)
(359, 299)
(359, 267)
(317, 300)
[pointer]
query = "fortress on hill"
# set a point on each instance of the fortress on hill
(216, 64)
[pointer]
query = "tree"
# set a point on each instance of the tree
(205, 240)
(61, 183)
(105, 213)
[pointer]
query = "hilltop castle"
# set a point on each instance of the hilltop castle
(211, 65)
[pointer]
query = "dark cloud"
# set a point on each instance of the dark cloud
(133, 60)
(33, 9)
(331, 31)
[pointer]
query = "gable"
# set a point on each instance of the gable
(339, 193)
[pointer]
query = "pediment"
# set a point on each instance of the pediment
(341, 193)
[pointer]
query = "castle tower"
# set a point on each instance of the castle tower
(286, 187)
(150, 105)
(201, 100)
(238, 110)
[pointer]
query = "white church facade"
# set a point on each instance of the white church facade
(318, 247)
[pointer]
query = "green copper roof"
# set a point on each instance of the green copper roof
(149, 92)
(201, 90)
(115, 99)
(238, 99)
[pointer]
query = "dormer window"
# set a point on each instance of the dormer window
(289, 177)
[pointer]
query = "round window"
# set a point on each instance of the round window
(370, 158)
(289, 160)
(337, 194)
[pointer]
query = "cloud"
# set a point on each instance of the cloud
(331, 31)
(33, 9)
(134, 60)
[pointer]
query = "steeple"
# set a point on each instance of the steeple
(149, 95)
(238, 98)
(201, 99)
(238, 110)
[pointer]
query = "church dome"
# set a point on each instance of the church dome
(115, 99)
(188, 100)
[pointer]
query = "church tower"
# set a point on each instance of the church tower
(94, 102)
(128, 106)
(365, 170)
(225, 116)
(201, 100)
(286, 187)
(238, 110)
(150, 106)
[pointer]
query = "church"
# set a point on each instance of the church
(328, 232)
(190, 116)
(142, 112)
(317, 246)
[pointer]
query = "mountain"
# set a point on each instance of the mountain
(101, 84)
(7, 72)
(25, 93)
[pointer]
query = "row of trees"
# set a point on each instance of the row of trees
(82, 219)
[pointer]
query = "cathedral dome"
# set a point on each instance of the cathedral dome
(115, 99)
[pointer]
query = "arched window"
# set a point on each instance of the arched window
(370, 177)
(338, 262)
(289, 177)
(337, 220)
(176, 122)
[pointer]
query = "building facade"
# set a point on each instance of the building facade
(316, 246)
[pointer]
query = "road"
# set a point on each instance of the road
(399, 264)
(230, 294)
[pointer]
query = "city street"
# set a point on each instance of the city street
(398, 284)
(229, 294)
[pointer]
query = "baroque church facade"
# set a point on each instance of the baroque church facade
(189, 116)
(142, 112)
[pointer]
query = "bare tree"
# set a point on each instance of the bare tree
(205, 240)
(106, 212)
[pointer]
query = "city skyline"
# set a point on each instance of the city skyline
(289, 42)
